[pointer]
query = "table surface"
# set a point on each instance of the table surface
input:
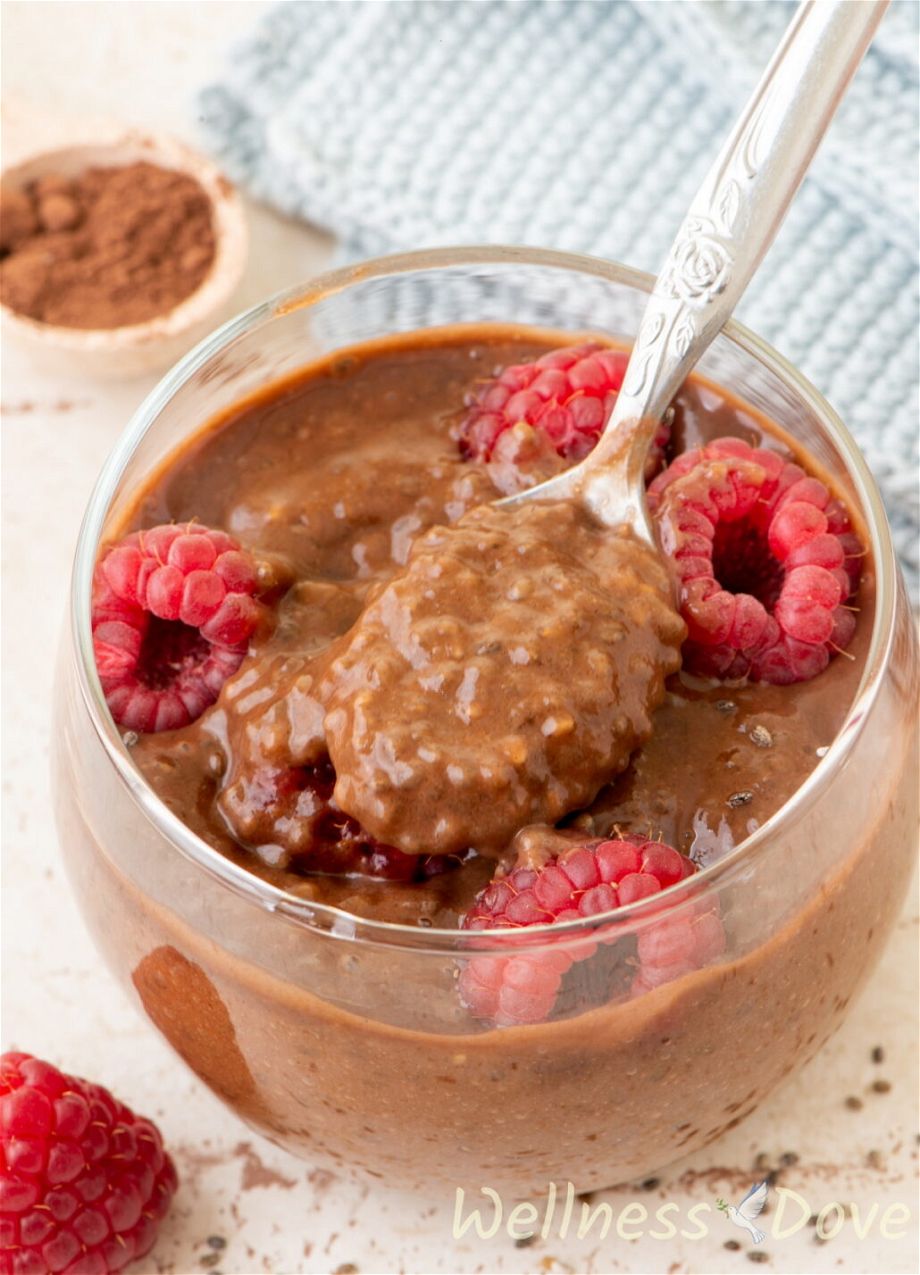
(260, 1209)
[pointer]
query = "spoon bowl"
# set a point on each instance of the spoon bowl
(435, 744)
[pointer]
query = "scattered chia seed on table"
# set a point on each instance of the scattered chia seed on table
(742, 798)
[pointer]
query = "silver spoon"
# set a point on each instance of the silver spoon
(724, 236)
(404, 770)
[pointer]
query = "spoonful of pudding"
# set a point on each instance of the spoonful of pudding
(511, 668)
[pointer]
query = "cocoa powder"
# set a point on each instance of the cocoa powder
(108, 248)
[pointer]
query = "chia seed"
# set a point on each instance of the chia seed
(742, 798)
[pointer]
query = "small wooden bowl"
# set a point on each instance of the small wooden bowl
(155, 344)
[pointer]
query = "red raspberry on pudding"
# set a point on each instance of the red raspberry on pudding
(289, 818)
(565, 396)
(765, 558)
(84, 1182)
(172, 613)
(588, 880)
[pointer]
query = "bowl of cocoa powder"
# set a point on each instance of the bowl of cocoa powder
(119, 253)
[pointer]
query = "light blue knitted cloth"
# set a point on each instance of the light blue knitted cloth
(587, 126)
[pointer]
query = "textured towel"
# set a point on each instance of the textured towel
(588, 126)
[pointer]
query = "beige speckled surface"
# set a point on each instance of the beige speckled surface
(274, 1214)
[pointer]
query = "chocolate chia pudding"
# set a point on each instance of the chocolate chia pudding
(342, 667)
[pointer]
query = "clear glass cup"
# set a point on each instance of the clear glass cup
(342, 1038)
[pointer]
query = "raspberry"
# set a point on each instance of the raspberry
(289, 816)
(172, 614)
(84, 1182)
(566, 395)
(765, 560)
(587, 880)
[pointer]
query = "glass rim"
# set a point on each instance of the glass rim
(326, 917)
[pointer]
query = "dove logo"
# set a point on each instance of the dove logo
(748, 1210)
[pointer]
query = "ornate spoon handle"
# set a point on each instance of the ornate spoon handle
(725, 234)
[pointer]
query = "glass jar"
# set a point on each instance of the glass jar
(342, 1038)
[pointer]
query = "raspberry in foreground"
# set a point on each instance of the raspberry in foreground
(588, 880)
(565, 395)
(765, 558)
(84, 1182)
(172, 613)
